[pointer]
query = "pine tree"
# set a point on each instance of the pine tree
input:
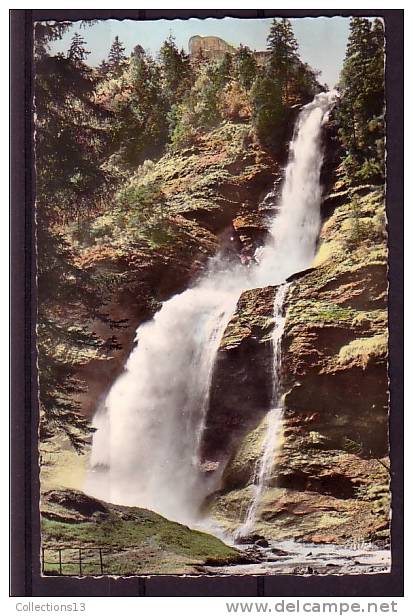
(117, 57)
(225, 69)
(269, 112)
(69, 142)
(298, 81)
(245, 66)
(142, 125)
(375, 69)
(305, 84)
(283, 82)
(176, 70)
(77, 52)
(103, 69)
(45, 32)
(361, 110)
(283, 48)
(138, 52)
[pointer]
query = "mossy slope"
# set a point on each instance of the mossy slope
(134, 541)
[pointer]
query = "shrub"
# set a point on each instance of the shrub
(182, 125)
(234, 103)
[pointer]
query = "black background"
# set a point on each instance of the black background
(25, 578)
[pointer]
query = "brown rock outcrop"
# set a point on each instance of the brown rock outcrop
(241, 388)
(330, 480)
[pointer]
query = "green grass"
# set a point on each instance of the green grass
(133, 540)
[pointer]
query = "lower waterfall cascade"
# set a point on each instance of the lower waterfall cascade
(273, 420)
(149, 429)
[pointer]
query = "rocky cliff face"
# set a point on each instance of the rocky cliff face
(241, 388)
(330, 481)
(211, 193)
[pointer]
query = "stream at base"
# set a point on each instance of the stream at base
(294, 558)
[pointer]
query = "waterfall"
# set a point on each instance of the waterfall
(294, 232)
(146, 448)
(273, 420)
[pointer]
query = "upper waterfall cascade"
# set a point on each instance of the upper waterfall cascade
(146, 448)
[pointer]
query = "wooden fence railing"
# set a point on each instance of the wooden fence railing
(72, 561)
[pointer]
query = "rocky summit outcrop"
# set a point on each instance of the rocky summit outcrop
(330, 480)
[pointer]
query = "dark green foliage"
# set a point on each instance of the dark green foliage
(224, 70)
(103, 69)
(77, 52)
(138, 52)
(69, 137)
(45, 32)
(69, 143)
(283, 82)
(269, 113)
(176, 71)
(211, 81)
(297, 80)
(145, 208)
(200, 109)
(141, 127)
(70, 134)
(215, 77)
(245, 66)
(360, 113)
(305, 82)
(182, 128)
(116, 58)
(142, 197)
(283, 47)
(64, 290)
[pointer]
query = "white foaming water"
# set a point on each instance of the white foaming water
(149, 429)
(294, 231)
(146, 450)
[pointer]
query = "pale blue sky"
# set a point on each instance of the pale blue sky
(322, 40)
